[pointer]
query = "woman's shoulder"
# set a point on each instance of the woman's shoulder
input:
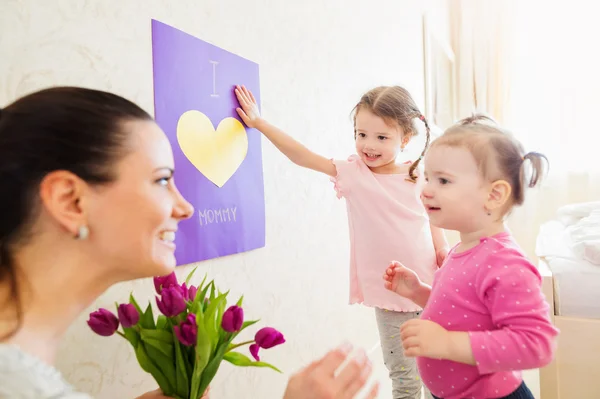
(24, 376)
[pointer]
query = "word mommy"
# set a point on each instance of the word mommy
(224, 215)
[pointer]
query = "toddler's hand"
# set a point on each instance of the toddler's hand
(401, 280)
(424, 338)
(249, 108)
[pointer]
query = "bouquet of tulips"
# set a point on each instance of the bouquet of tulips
(184, 346)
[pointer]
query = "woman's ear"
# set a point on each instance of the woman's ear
(61, 194)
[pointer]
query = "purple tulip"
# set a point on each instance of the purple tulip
(162, 282)
(254, 352)
(187, 332)
(184, 291)
(103, 322)
(266, 338)
(233, 319)
(192, 292)
(128, 315)
(172, 302)
(189, 294)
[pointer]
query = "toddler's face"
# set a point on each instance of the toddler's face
(455, 193)
(377, 143)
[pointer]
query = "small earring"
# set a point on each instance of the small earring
(82, 233)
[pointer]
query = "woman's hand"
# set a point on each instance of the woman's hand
(158, 394)
(320, 381)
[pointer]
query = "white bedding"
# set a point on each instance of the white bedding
(576, 281)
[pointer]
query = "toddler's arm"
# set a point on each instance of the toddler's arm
(524, 336)
(405, 282)
(295, 151)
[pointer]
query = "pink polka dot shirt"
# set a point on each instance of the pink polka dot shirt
(494, 293)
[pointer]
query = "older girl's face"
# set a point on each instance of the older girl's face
(377, 142)
(133, 221)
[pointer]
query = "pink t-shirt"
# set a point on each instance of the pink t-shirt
(494, 293)
(387, 222)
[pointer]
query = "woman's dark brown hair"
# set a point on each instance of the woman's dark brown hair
(63, 128)
(394, 104)
(498, 154)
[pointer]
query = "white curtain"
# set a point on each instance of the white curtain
(481, 44)
(555, 88)
(534, 67)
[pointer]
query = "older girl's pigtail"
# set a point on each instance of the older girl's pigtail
(411, 171)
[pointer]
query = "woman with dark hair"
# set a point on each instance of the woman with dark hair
(88, 200)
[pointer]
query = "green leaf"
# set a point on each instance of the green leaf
(183, 370)
(213, 366)
(221, 311)
(161, 346)
(212, 291)
(149, 367)
(239, 302)
(159, 335)
(238, 359)
(161, 322)
(189, 277)
(210, 320)
(164, 363)
(132, 336)
(248, 324)
(198, 304)
(245, 325)
(134, 303)
(147, 319)
(202, 283)
(203, 352)
(142, 358)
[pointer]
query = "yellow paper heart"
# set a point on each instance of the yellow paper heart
(216, 154)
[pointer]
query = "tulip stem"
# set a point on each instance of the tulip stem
(122, 335)
(232, 347)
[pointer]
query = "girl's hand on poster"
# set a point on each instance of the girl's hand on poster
(249, 108)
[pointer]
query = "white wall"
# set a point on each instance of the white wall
(316, 59)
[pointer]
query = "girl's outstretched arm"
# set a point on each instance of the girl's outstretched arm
(295, 151)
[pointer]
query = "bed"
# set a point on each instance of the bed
(572, 287)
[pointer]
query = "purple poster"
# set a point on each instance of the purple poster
(218, 160)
